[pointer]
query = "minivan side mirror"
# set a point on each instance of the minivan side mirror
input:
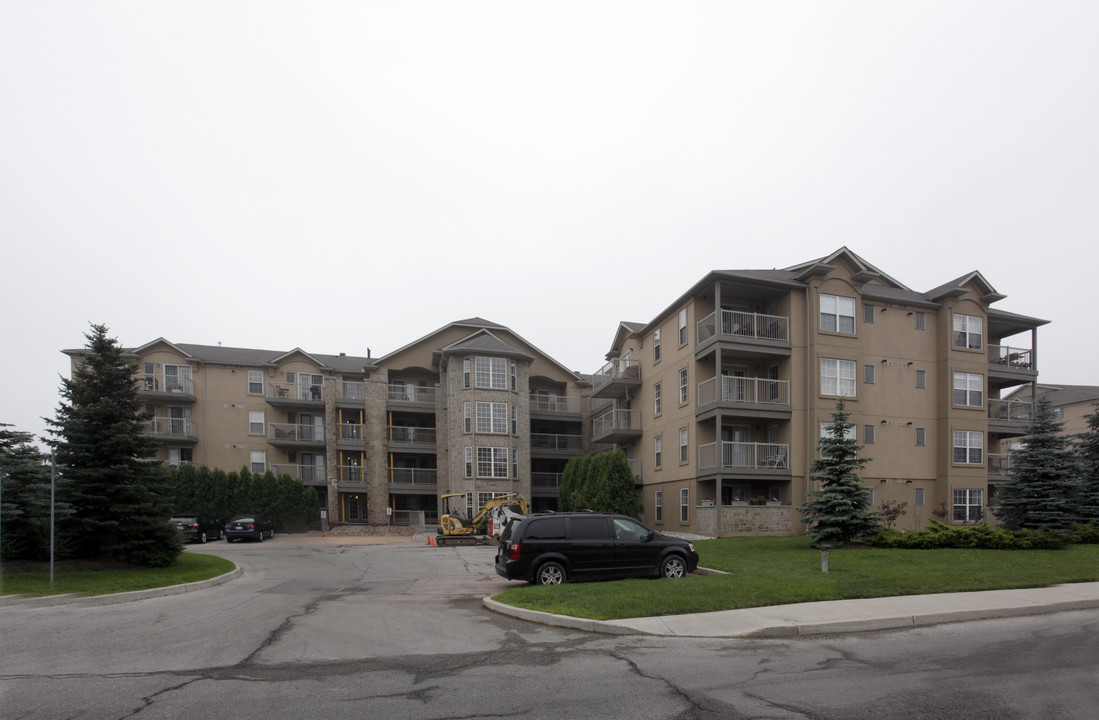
(648, 537)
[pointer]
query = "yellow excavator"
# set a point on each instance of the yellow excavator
(456, 530)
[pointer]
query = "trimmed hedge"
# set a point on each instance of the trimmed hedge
(941, 535)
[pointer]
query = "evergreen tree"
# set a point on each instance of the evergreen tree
(602, 483)
(1044, 477)
(25, 496)
(118, 493)
(1088, 452)
(839, 512)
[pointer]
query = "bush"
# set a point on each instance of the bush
(984, 537)
(1084, 534)
(286, 502)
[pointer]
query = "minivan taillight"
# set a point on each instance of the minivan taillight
(513, 551)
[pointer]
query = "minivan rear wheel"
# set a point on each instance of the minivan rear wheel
(550, 573)
(673, 566)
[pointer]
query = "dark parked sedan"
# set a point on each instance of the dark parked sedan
(197, 528)
(248, 527)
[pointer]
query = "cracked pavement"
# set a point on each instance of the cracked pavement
(397, 630)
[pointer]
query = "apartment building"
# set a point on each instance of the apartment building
(720, 400)
(470, 408)
(1071, 404)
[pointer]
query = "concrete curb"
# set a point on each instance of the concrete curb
(95, 600)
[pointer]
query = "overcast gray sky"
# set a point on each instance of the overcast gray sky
(344, 175)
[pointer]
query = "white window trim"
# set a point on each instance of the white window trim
(833, 371)
(973, 385)
(837, 308)
(973, 440)
(255, 374)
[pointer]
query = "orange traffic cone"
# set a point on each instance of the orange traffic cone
(431, 541)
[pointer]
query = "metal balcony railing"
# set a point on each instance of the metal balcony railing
(1017, 358)
(351, 431)
(412, 435)
(159, 382)
(351, 390)
(295, 391)
(546, 441)
(287, 432)
(1011, 410)
(615, 421)
(411, 393)
(352, 474)
(999, 463)
(540, 402)
(752, 391)
(173, 427)
(413, 476)
(616, 370)
(305, 473)
(773, 456)
(734, 323)
(550, 480)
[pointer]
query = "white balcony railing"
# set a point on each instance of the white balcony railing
(615, 421)
(159, 382)
(547, 441)
(541, 402)
(412, 435)
(752, 391)
(1010, 410)
(413, 476)
(305, 473)
(773, 456)
(351, 390)
(407, 392)
(287, 432)
(172, 427)
(743, 324)
(295, 391)
(1017, 358)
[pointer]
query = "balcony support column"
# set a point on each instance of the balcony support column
(331, 452)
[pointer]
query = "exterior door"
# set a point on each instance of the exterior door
(735, 449)
(737, 384)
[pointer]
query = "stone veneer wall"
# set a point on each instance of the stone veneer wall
(752, 520)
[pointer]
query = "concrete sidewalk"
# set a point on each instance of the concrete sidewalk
(836, 616)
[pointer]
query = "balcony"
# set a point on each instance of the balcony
(412, 438)
(545, 483)
(351, 435)
(351, 394)
(545, 444)
(999, 467)
(295, 395)
(1011, 364)
(1009, 417)
(173, 430)
(746, 459)
(616, 426)
(616, 379)
(425, 478)
(352, 475)
(165, 388)
(554, 405)
(407, 394)
(744, 333)
(308, 474)
(288, 435)
(749, 397)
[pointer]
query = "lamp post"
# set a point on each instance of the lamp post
(824, 557)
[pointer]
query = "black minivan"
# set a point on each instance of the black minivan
(552, 548)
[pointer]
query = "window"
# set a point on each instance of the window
(921, 379)
(868, 433)
(469, 461)
(921, 321)
(658, 506)
(868, 313)
(255, 382)
(682, 386)
(658, 445)
(968, 389)
(683, 326)
(468, 415)
(656, 345)
(968, 331)
(826, 431)
(682, 445)
(837, 314)
(514, 376)
(514, 420)
(465, 372)
(491, 373)
(515, 464)
(837, 377)
(869, 372)
(180, 456)
(258, 459)
(919, 500)
(684, 505)
(492, 462)
(968, 446)
(656, 398)
(255, 422)
(492, 417)
(921, 436)
(967, 505)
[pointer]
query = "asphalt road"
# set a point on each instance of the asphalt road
(327, 629)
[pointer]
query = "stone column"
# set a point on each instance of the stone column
(331, 451)
(376, 431)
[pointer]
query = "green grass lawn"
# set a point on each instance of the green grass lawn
(777, 571)
(190, 567)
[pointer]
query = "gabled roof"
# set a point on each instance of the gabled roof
(297, 351)
(864, 271)
(1069, 394)
(958, 287)
(160, 341)
(485, 342)
(625, 330)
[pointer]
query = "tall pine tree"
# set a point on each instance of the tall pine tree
(1044, 477)
(25, 512)
(1088, 453)
(839, 513)
(117, 491)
